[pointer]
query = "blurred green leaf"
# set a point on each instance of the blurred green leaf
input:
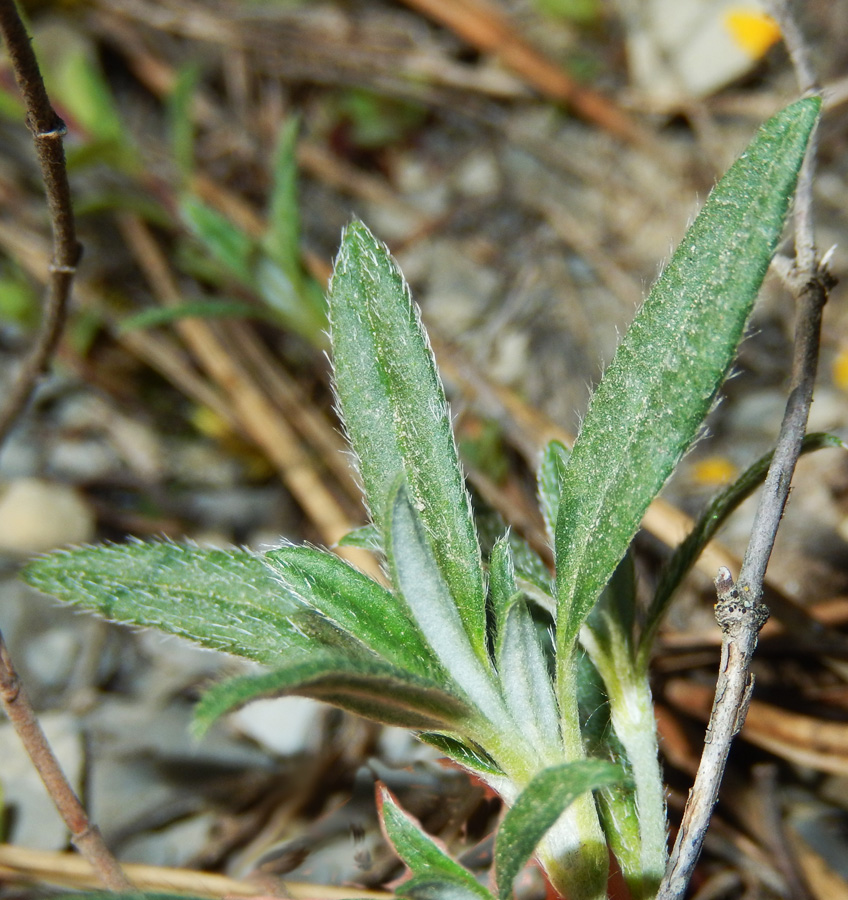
(282, 238)
(375, 120)
(19, 303)
(197, 309)
(299, 304)
(180, 120)
(225, 242)
(571, 10)
(713, 517)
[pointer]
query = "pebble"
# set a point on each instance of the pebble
(37, 515)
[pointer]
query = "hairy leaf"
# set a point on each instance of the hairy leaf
(356, 604)
(418, 579)
(549, 482)
(369, 687)
(393, 405)
(538, 807)
(468, 755)
(223, 599)
(502, 587)
(422, 854)
(666, 371)
(526, 680)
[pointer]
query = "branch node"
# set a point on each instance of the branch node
(736, 609)
(58, 131)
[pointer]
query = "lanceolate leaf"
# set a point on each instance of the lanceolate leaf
(396, 417)
(282, 239)
(418, 579)
(526, 680)
(368, 687)
(502, 587)
(425, 859)
(223, 599)
(228, 244)
(713, 518)
(667, 369)
(538, 807)
(356, 604)
(467, 755)
(549, 479)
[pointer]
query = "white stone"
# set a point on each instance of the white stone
(36, 516)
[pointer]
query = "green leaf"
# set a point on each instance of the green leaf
(282, 239)
(422, 855)
(667, 370)
(75, 78)
(526, 681)
(531, 573)
(157, 316)
(366, 538)
(393, 405)
(549, 482)
(715, 515)
(418, 579)
(612, 619)
(180, 119)
(370, 688)
(298, 303)
(502, 587)
(428, 887)
(226, 243)
(468, 755)
(619, 816)
(223, 599)
(355, 604)
(538, 807)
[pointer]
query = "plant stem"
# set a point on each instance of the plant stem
(740, 611)
(574, 852)
(85, 836)
(47, 130)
